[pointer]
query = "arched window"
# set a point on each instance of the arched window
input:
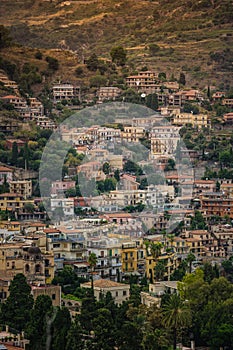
(37, 268)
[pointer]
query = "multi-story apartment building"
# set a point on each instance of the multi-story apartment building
(224, 236)
(133, 133)
(196, 120)
(26, 259)
(124, 198)
(108, 252)
(164, 140)
(21, 187)
(144, 82)
(66, 205)
(227, 102)
(119, 291)
(167, 257)
(11, 201)
(216, 203)
(61, 186)
(106, 93)
(133, 257)
(64, 91)
(6, 174)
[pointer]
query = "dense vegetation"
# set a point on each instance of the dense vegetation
(202, 311)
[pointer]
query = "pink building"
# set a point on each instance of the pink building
(5, 173)
(59, 186)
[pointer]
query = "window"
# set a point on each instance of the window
(53, 296)
(116, 294)
(124, 293)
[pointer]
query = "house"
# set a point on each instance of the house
(218, 95)
(132, 133)
(22, 187)
(227, 102)
(164, 140)
(228, 117)
(27, 259)
(11, 201)
(196, 120)
(108, 93)
(128, 182)
(120, 292)
(61, 186)
(156, 291)
(54, 292)
(144, 82)
(6, 174)
(133, 257)
(216, 203)
(65, 204)
(16, 101)
(10, 142)
(64, 91)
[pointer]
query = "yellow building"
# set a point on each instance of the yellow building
(197, 120)
(10, 201)
(133, 257)
(22, 187)
(133, 133)
(21, 258)
(170, 263)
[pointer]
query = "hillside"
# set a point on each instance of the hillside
(195, 37)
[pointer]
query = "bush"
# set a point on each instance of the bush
(53, 63)
(38, 55)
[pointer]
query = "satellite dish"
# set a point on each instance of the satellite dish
(143, 95)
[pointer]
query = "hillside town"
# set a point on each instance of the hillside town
(113, 220)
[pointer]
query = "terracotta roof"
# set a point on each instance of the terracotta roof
(10, 96)
(5, 169)
(2, 195)
(102, 283)
(51, 230)
(119, 215)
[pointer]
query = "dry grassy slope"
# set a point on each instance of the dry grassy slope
(193, 30)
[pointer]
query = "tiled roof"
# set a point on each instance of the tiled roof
(102, 283)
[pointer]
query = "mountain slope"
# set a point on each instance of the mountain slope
(186, 32)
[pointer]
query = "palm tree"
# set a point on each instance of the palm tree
(92, 260)
(155, 249)
(176, 315)
(159, 270)
(190, 258)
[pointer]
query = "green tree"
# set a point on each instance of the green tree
(92, 62)
(67, 279)
(106, 168)
(176, 316)
(109, 184)
(15, 312)
(98, 80)
(159, 270)
(53, 63)
(74, 337)
(190, 258)
(92, 261)
(190, 108)
(104, 330)
(5, 38)
(155, 249)
(198, 221)
(154, 49)
(14, 154)
(61, 326)
(37, 330)
(118, 55)
(152, 101)
(182, 80)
